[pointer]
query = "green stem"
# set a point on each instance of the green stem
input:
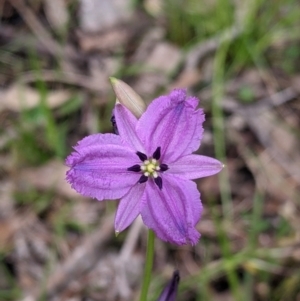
(218, 127)
(148, 265)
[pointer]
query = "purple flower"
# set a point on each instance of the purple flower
(170, 291)
(149, 166)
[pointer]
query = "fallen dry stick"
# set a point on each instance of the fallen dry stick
(36, 26)
(83, 259)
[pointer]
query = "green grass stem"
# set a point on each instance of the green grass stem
(148, 265)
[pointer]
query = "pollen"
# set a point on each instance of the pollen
(150, 168)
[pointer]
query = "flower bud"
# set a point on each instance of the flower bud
(128, 97)
(170, 291)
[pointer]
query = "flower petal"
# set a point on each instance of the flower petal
(194, 167)
(173, 123)
(99, 167)
(126, 124)
(97, 139)
(129, 207)
(173, 211)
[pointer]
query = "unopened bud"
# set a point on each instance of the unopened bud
(170, 291)
(128, 97)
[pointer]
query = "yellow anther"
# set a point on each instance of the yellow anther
(150, 167)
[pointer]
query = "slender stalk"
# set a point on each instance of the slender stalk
(148, 265)
(218, 127)
(229, 267)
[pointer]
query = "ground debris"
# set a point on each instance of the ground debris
(48, 177)
(157, 68)
(20, 97)
(99, 15)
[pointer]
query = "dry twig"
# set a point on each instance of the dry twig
(70, 78)
(83, 259)
(40, 31)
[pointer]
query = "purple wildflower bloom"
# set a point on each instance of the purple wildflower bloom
(149, 166)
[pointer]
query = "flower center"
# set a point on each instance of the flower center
(150, 168)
